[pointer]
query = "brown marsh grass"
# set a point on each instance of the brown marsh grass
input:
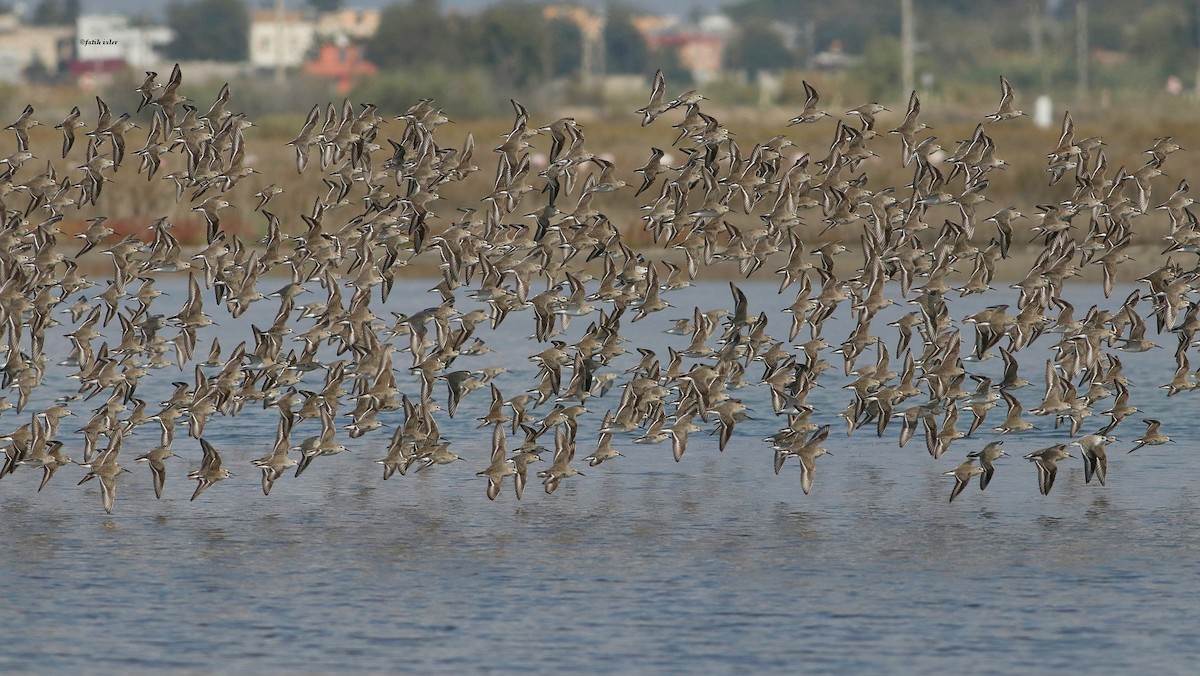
(132, 202)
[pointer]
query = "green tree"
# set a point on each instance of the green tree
(37, 71)
(513, 40)
(55, 12)
(412, 34)
(759, 46)
(326, 5)
(566, 48)
(666, 59)
(879, 70)
(208, 30)
(1161, 35)
(462, 93)
(624, 47)
(855, 23)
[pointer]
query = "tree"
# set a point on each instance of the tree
(1160, 36)
(566, 48)
(854, 23)
(55, 12)
(326, 5)
(514, 41)
(37, 71)
(208, 30)
(624, 46)
(666, 59)
(412, 34)
(879, 70)
(759, 46)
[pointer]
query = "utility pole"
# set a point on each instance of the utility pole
(1037, 39)
(1196, 88)
(810, 45)
(601, 63)
(1035, 29)
(591, 60)
(906, 48)
(587, 59)
(279, 74)
(1081, 48)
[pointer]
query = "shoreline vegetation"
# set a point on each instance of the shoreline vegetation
(132, 203)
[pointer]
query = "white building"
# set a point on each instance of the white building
(356, 24)
(280, 39)
(21, 46)
(104, 37)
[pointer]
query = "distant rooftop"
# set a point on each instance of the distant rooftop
(157, 8)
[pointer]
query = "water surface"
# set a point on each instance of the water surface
(643, 565)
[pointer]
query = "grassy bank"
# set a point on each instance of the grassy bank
(131, 202)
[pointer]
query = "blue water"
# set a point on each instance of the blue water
(711, 565)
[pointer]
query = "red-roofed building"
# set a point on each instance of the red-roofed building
(342, 62)
(701, 53)
(699, 46)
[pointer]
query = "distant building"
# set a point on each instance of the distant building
(323, 45)
(111, 38)
(700, 47)
(341, 61)
(23, 46)
(280, 39)
(355, 24)
(290, 38)
(834, 60)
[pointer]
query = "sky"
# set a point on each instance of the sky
(155, 7)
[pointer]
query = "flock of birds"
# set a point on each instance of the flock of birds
(539, 241)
